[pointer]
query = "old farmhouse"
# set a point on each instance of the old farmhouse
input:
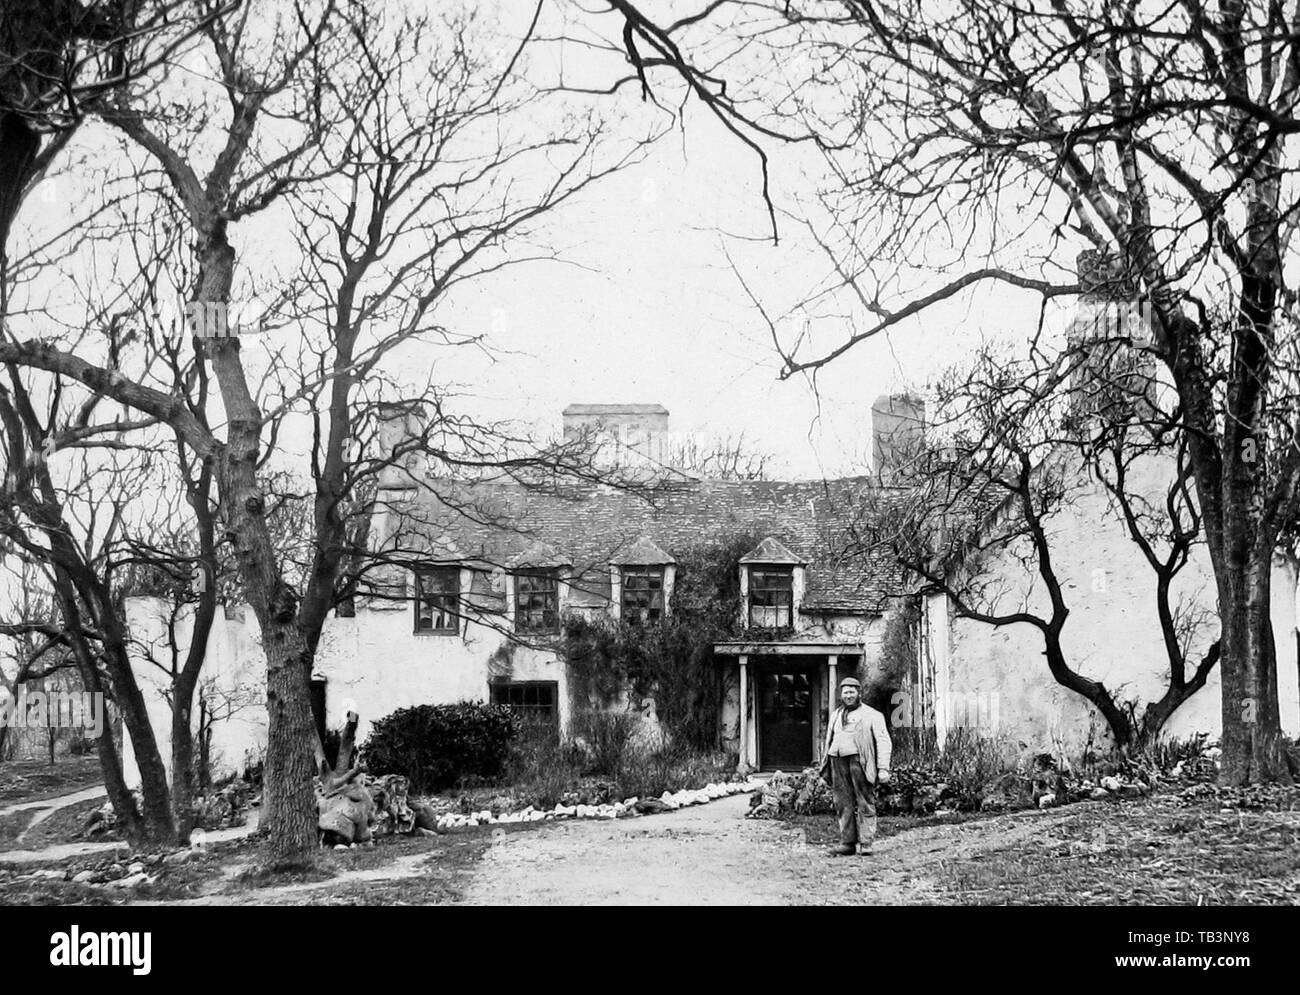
(493, 567)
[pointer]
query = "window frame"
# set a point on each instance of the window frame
(549, 593)
(549, 710)
(437, 598)
(772, 602)
(655, 589)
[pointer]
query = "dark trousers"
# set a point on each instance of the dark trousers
(855, 801)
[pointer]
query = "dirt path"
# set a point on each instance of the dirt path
(702, 855)
(42, 810)
(712, 855)
(62, 801)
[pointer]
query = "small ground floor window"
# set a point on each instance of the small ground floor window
(531, 699)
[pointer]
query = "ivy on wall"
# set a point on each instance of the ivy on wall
(670, 660)
(898, 654)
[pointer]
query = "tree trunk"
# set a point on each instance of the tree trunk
(154, 825)
(156, 792)
(119, 795)
(157, 815)
(1119, 723)
(288, 796)
(183, 685)
(186, 680)
(129, 822)
(182, 770)
(1252, 743)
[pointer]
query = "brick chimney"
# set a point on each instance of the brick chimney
(1110, 372)
(897, 433)
(616, 428)
(400, 421)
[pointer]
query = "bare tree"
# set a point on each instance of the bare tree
(438, 168)
(36, 645)
(1159, 136)
(1018, 444)
(39, 522)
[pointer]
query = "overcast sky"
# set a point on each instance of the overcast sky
(645, 306)
(648, 309)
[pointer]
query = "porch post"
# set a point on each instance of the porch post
(744, 712)
(832, 695)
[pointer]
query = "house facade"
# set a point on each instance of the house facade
(478, 577)
(989, 679)
(497, 567)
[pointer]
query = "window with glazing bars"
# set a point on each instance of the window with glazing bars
(771, 597)
(437, 599)
(532, 699)
(537, 601)
(643, 594)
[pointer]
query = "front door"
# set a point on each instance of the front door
(784, 720)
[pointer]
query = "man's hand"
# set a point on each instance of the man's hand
(882, 776)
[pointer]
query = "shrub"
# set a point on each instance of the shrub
(608, 738)
(254, 766)
(968, 763)
(440, 746)
(971, 763)
(1171, 750)
(915, 746)
(541, 766)
(649, 769)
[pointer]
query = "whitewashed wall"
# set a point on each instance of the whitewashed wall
(374, 662)
(1112, 634)
(234, 672)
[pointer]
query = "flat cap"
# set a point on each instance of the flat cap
(850, 682)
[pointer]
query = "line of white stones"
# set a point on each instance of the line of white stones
(615, 810)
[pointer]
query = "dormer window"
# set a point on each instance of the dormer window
(642, 594)
(641, 578)
(437, 600)
(772, 580)
(771, 597)
(537, 601)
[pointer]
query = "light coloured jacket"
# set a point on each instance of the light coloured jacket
(872, 737)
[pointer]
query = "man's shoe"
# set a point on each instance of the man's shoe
(844, 850)
(864, 851)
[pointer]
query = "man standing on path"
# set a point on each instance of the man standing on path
(857, 759)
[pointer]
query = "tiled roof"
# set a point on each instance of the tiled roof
(593, 525)
(644, 552)
(540, 554)
(770, 550)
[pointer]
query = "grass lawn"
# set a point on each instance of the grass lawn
(1163, 850)
(11, 825)
(1153, 853)
(402, 870)
(67, 825)
(35, 780)
(822, 830)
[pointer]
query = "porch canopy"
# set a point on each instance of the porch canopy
(762, 743)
